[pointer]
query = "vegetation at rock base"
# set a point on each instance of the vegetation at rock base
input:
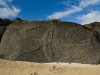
(53, 68)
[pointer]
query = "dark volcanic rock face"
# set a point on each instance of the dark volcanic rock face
(50, 42)
(2, 30)
(4, 22)
(0, 19)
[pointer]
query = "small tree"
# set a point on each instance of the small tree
(54, 21)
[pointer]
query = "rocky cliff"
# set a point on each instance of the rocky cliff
(50, 41)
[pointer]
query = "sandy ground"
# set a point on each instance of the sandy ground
(28, 68)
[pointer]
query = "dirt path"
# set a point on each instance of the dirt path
(28, 68)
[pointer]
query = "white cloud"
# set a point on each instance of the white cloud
(90, 17)
(68, 2)
(85, 3)
(74, 9)
(65, 13)
(6, 10)
(5, 2)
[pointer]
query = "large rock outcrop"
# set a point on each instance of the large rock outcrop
(50, 42)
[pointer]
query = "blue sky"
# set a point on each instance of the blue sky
(79, 11)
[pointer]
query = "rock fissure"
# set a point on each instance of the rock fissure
(52, 41)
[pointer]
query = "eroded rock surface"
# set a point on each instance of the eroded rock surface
(50, 42)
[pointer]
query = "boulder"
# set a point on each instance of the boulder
(95, 26)
(43, 41)
(16, 20)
